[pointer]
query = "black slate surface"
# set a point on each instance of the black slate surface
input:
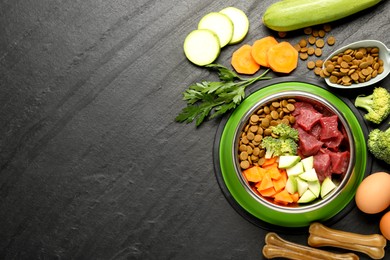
(92, 163)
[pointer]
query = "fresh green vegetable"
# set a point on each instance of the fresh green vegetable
(308, 163)
(240, 23)
(220, 24)
(285, 132)
(284, 142)
(201, 47)
(327, 186)
(377, 104)
(291, 15)
(278, 146)
(295, 170)
(379, 144)
(307, 196)
(288, 161)
(215, 98)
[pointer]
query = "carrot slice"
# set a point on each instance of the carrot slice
(283, 197)
(280, 183)
(243, 62)
(260, 49)
(266, 183)
(295, 196)
(273, 171)
(254, 174)
(268, 192)
(282, 57)
(269, 161)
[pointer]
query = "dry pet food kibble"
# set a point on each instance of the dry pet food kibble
(313, 45)
(353, 66)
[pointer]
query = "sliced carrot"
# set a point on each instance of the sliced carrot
(260, 49)
(280, 183)
(295, 196)
(268, 192)
(273, 171)
(243, 62)
(282, 57)
(254, 174)
(283, 197)
(269, 161)
(266, 183)
(283, 174)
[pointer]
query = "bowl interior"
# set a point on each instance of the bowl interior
(329, 109)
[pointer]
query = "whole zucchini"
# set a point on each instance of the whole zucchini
(289, 15)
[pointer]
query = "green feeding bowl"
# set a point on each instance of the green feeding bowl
(265, 212)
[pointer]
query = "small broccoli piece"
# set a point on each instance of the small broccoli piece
(377, 104)
(288, 147)
(271, 146)
(283, 141)
(285, 131)
(278, 146)
(379, 144)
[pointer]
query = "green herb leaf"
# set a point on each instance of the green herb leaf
(210, 99)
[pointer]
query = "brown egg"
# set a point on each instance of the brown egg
(373, 193)
(384, 225)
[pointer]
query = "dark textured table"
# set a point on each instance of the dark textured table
(92, 163)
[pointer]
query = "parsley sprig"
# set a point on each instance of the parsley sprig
(209, 99)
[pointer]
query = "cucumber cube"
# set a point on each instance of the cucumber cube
(308, 163)
(310, 175)
(288, 161)
(291, 185)
(306, 197)
(295, 170)
(315, 187)
(327, 186)
(302, 186)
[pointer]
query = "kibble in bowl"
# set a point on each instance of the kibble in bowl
(359, 64)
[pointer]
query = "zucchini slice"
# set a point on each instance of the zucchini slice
(201, 47)
(240, 23)
(220, 24)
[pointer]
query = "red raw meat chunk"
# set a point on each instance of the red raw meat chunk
(334, 143)
(322, 165)
(316, 131)
(308, 144)
(306, 115)
(339, 161)
(299, 106)
(329, 127)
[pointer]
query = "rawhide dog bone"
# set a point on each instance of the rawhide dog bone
(371, 245)
(277, 247)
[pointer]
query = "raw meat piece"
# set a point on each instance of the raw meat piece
(306, 116)
(329, 127)
(308, 144)
(322, 165)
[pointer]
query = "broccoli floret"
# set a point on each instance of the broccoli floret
(288, 147)
(283, 141)
(377, 104)
(379, 144)
(278, 146)
(285, 131)
(271, 146)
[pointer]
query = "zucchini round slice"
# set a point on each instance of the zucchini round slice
(220, 24)
(201, 47)
(240, 23)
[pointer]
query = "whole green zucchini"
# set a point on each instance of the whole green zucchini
(289, 15)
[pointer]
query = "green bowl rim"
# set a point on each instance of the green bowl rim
(230, 184)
